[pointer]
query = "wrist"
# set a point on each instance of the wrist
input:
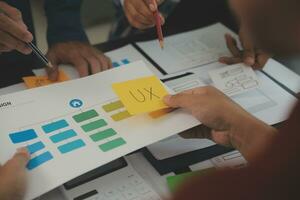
(250, 135)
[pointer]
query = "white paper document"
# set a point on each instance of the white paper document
(270, 103)
(190, 49)
(73, 127)
(234, 79)
(232, 159)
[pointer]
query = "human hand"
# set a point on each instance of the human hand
(206, 104)
(250, 55)
(82, 56)
(13, 176)
(13, 32)
(140, 13)
(225, 122)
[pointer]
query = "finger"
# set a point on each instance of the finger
(4, 48)
(138, 25)
(232, 45)
(152, 4)
(53, 72)
(12, 12)
(109, 62)
(19, 161)
(146, 8)
(249, 56)
(220, 137)
(200, 132)
(105, 62)
(14, 43)
(162, 19)
(81, 65)
(261, 60)
(248, 50)
(94, 63)
(230, 60)
(182, 100)
(139, 17)
(14, 29)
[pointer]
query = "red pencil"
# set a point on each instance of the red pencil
(158, 26)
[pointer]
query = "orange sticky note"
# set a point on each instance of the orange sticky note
(141, 95)
(160, 113)
(38, 81)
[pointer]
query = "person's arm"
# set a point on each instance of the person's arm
(64, 21)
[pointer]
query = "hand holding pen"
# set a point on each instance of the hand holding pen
(14, 34)
(13, 31)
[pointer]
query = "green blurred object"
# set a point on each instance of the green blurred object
(174, 182)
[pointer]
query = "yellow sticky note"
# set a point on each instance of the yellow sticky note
(141, 95)
(38, 81)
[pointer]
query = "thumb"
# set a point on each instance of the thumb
(53, 72)
(18, 161)
(153, 7)
(182, 100)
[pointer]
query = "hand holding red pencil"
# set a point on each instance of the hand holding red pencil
(140, 13)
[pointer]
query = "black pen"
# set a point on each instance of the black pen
(36, 51)
(40, 55)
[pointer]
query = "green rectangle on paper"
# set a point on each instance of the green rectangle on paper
(103, 135)
(112, 144)
(120, 116)
(85, 116)
(93, 125)
(113, 106)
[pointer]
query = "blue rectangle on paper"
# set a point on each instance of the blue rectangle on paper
(39, 160)
(23, 136)
(55, 126)
(115, 64)
(125, 61)
(63, 136)
(35, 147)
(71, 146)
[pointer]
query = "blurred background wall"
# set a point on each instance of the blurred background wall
(97, 16)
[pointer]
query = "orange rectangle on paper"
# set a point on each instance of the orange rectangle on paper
(38, 81)
(160, 113)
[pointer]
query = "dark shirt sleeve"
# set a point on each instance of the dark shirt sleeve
(64, 21)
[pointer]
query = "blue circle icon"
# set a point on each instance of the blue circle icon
(76, 103)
